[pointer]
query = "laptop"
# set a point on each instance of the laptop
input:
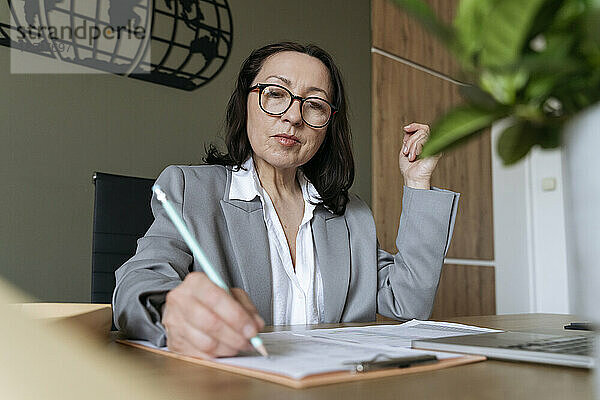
(573, 350)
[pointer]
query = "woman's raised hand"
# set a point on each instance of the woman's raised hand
(416, 172)
(203, 320)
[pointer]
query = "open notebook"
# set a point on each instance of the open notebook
(302, 358)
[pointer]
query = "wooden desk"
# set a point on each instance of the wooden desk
(485, 380)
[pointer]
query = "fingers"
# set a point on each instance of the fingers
(194, 342)
(415, 137)
(228, 309)
(242, 297)
(203, 320)
(215, 325)
(415, 126)
(418, 148)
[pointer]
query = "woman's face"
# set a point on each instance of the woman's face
(286, 141)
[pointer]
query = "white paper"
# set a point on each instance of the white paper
(298, 354)
(391, 337)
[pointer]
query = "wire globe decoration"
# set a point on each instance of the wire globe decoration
(183, 44)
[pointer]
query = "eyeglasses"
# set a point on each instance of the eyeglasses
(276, 100)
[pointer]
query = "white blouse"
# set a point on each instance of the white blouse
(297, 296)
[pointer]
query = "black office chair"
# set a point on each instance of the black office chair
(122, 215)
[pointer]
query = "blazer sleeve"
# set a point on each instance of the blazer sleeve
(408, 280)
(161, 262)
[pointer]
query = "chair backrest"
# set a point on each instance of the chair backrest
(122, 215)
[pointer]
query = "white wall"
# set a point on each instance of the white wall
(529, 233)
(549, 244)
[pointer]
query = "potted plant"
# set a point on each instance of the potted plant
(535, 63)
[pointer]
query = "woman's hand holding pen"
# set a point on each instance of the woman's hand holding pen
(416, 172)
(203, 320)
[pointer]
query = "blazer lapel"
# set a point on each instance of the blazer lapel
(250, 244)
(332, 248)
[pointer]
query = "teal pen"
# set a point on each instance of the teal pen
(199, 255)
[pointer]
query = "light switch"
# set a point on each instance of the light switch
(548, 184)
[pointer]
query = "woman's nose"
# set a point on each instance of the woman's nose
(294, 114)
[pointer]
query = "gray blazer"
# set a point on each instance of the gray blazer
(359, 279)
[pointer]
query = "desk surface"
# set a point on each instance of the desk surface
(485, 380)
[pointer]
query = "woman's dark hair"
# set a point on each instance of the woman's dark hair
(331, 169)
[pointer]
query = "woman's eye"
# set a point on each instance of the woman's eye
(315, 105)
(274, 94)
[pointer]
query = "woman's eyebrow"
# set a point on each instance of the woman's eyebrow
(281, 78)
(289, 83)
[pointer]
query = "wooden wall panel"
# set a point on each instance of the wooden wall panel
(401, 94)
(468, 170)
(465, 290)
(398, 33)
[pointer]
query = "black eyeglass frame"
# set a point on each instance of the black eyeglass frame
(261, 87)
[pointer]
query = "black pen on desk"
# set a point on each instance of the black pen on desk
(581, 326)
(212, 274)
(401, 362)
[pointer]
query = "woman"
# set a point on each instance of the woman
(275, 218)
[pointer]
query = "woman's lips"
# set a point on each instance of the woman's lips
(287, 140)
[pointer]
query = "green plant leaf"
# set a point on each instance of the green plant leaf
(592, 3)
(473, 94)
(505, 30)
(467, 23)
(503, 86)
(540, 86)
(536, 60)
(578, 91)
(550, 136)
(555, 14)
(515, 142)
(538, 64)
(590, 45)
(559, 45)
(570, 13)
(457, 124)
(425, 15)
